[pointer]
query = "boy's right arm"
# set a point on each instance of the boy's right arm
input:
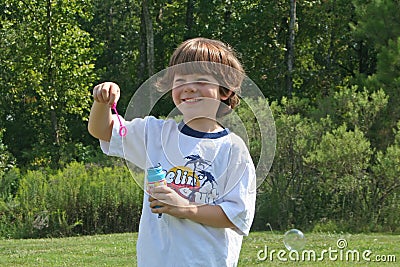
(100, 118)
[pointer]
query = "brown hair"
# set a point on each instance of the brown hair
(209, 57)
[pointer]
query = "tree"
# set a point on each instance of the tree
(6, 159)
(326, 54)
(115, 28)
(386, 184)
(148, 37)
(48, 71)
(382, 35)
(290, 47)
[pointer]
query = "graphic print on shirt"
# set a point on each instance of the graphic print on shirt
(193, 181)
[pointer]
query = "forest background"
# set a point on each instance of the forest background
(329, 70)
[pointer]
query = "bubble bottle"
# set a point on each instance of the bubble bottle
(155, 178)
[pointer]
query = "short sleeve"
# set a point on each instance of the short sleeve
(131, 147)
(239, 203)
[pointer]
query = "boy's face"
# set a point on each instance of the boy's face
(196, 95)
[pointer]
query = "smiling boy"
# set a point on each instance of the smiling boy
(209, 202)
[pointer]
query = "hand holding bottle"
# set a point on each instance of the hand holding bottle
(155, 178)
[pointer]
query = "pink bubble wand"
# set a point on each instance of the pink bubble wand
(122, 129)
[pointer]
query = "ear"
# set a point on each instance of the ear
(225, 97)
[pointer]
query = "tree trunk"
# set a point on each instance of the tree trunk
(148, 29)
(142, 68)
(290, 47)
(189, 19)
(49, 83)
(146, 66)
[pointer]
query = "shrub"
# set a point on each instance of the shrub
(386, 185)
(75, 200)
(326, 169)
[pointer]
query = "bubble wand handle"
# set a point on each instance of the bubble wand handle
(122, 129)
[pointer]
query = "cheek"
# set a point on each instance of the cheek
(175, 96)
(214, 93)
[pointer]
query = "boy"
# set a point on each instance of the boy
(209, 202)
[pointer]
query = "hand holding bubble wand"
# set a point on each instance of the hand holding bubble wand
(122, 129)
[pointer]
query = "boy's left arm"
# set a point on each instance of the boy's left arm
(169, 202)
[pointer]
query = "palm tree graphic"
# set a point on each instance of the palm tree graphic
(197, 161)
(208, 178)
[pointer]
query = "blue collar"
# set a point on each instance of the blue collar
(183, 128)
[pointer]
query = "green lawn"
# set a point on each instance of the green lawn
(259, 249)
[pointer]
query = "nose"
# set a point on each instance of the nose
(189, 87)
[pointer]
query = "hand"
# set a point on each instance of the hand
(165, 200)
(106, 93)
(170, 202)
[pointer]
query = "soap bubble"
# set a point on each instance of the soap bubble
(157, 89)
(294, 240)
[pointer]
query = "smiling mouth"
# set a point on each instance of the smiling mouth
(191, 100)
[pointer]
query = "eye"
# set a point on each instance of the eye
(179, 80)
(203, 81)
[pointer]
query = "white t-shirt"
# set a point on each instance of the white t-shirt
(209, 168)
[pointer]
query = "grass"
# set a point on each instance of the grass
(119, 250)
(99, 250)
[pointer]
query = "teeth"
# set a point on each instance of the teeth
(191, 100)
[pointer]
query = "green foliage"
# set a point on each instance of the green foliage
(385, 43)
(47, 67)
(285, 194)
(340, 162)
(336, 158)
(358, 109)
(9, 183)
(326, 51)
(386, 178)
(247, 111)
(325, 168)
(326, 227)
(7, 160)
(78, 199)
(339, 156)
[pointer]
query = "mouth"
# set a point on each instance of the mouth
(190, 100)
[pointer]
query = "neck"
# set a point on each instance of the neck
(205, 125)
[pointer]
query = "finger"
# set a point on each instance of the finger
(114, 93)
(100, 93)
(96, 91)
(159, 198)
(105, 92)
(158, 210)
(156, 196)
(161, 189)
(156, 204)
